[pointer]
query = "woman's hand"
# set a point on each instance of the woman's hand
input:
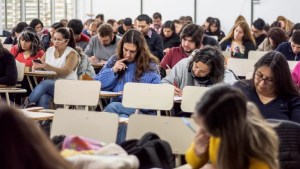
(119, 65)
(177, 91)
(41, 65)
(201, 141)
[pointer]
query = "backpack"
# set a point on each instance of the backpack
(151, 151)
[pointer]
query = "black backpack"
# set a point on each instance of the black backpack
(151, 151)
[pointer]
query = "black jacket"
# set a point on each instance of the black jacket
(8, 69)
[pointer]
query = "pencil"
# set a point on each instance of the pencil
(168, 66)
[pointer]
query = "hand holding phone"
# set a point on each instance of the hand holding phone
(37, 61)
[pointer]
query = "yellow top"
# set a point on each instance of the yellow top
(197, 162)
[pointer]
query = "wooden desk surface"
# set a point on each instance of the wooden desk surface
(40, 73)
(104, 94)
(37, 115)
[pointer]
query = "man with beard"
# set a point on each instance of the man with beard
(192, 37)
(103, 45)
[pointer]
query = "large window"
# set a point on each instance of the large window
(13, 11)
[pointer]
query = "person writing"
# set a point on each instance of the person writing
(232, 134)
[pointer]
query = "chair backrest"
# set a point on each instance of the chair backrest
(226, 54)
(241, 66)
(148, 96)
(255, 55)
(289, 137)
(21, 70)
(292, 64)
(7, 46)
(249, 75)
(77, 92)
(101, 126)
(191, 96)
(171, 129)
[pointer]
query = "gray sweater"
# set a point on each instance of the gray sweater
(95, 48)
(185, 78)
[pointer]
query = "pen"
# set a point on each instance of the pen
(187, 123)
(168, 66)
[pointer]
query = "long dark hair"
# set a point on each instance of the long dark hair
(213, 58)
(283, 83)
(143, 56)
(168, 24)
(67, 33)
(36, 43)
(24, 145)
(243, 132)
(278, 36)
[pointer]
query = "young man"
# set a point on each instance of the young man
(157, 22)
(102, 46)
(192, 37)
(257, 30)
(153, 40)
(81, 39)
(291, 49)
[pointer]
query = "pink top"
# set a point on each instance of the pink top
(296, 74)
(20, 56)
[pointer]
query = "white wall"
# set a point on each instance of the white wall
(226, 11)
(1, 29)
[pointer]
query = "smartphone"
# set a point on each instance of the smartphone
(37, 61)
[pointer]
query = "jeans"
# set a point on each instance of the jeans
(118, 108)
(42, 93)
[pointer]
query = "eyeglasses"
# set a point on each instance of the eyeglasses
(54, 40)
(267, 80)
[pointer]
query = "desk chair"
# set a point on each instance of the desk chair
(256, 55)
(171, 129)
(292, 64)
(14, 89)
(148, 96)
(7, 46)
(241, 66)
(101, 126)
(77, 93)
(191, 95)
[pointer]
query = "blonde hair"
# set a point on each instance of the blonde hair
(247, 33)
(288, 24)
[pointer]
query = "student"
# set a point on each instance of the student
(271, 88)
(132, 63)
(46, 39)
(257, 30)
(29, 47)
(169, 36)
(81, 39)
(214, 29)
(8, 69)
(61, 58)
(205, 67)
(291, 49)
(24, 146)
(232, 134)
(275, 37)
(239, 41)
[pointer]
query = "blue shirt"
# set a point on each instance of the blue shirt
(110, 81)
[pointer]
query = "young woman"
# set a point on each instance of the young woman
(133, 62)
(231, 134)
(275, 37)
(239, 41)
(29, 48)
(214, 29)
(272, 89)
(204, 67)
(169, 36)
(61, 58)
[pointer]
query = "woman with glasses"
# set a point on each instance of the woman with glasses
(29, 47)
(231, 133)
(61, 58)
(272, 88)
(133, 62)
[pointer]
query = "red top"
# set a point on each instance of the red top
(84, 38)
(20, 56)
(174, 55)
